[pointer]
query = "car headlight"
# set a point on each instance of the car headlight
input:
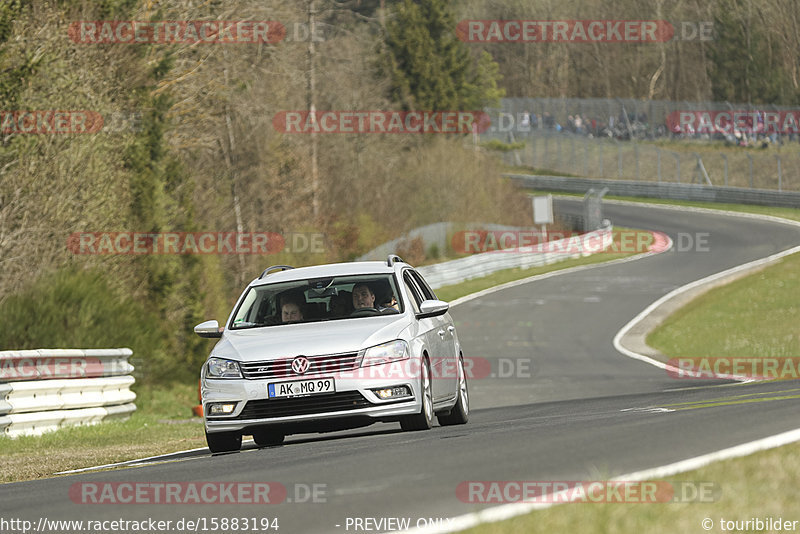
(388, 352)
(219, 368)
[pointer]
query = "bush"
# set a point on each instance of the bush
(77, 309)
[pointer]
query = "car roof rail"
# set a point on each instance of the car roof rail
(392, 259)
(268, 270)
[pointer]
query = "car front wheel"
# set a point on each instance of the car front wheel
(223, 441)
(267, 438)
(459, 415)
(424, 419)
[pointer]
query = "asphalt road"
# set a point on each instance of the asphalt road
(573, 408)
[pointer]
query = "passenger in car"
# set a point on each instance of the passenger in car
(384, 295)
(291, 311)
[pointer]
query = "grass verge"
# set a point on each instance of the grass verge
(755, 316)
(761, 485)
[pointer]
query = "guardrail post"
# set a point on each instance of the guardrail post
(677, 167)
(750, 159)
(658, 163)
(725, 160)
(558, 151)
(586, 156)
(636, 151)
(619, 158)
(546, 150)
(572, 151)
(600, 157)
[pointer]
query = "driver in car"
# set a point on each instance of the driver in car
(363, 296)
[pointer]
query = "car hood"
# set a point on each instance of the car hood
(309, 339)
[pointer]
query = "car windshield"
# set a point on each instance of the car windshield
(318, 299)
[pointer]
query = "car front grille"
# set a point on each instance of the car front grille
(282, 367)
(329, 402)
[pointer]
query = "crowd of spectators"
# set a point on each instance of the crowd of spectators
(624, 127)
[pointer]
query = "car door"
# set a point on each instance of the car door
(446, 369)
(428, 329)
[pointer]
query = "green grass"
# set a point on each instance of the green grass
(756, 316)
(761, 485)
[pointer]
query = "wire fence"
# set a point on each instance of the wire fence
(637, 140)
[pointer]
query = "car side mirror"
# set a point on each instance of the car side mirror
(209, 329)
(432, 308)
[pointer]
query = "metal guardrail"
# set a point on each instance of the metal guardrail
(37, 423)
(673, 191)
(483, 264)
(42, 364)
(46, 389)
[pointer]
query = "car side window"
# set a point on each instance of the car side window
(423, 285)
(413, 290)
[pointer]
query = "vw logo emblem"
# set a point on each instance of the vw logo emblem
(300, 365)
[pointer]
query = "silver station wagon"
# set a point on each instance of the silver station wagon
(332, 347)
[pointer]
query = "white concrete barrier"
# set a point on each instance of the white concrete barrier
(486, 263)
(46, 389)
(37, 423)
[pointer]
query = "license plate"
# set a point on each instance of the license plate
(297, 388)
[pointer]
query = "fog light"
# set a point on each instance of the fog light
(221, 408)
(394, 392)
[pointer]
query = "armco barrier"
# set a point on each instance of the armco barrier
(37, 423)
(666, 190)
(43, 364)
(46, 389)
(44, 395)
(483, 264)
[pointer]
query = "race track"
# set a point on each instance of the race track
(585, 412)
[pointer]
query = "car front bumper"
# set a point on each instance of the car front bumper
(353, 398)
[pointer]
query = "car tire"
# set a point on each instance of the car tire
(267, 437)
(424, 419)
(459, 414)
(223, 441)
